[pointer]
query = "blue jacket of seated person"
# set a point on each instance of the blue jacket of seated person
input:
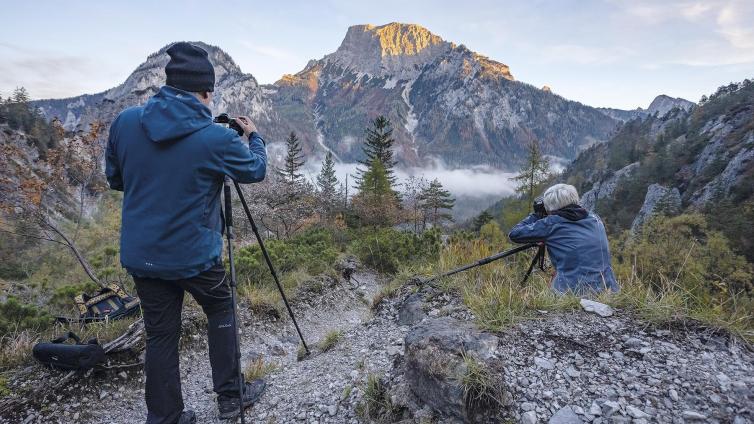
(577, 245)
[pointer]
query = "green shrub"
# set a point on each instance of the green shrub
(313, 252)
(62, 296)
(16, 316)
(386, 249)
(683, 251)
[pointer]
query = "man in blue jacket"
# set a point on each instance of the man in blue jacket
(169, 159)
(575, 239)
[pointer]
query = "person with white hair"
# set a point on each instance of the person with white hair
(575, 239)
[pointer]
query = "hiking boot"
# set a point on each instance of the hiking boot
(228, 406)
(187, 417)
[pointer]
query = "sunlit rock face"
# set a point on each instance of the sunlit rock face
(396, 50)
(445, 101)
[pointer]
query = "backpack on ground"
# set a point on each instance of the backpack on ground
(111, 302)
(77, 356)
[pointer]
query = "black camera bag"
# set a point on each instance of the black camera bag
(61, 355)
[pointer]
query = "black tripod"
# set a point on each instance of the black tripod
(539, 259)
(228, 217)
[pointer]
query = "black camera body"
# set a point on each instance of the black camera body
(224, 118)
(539, 208)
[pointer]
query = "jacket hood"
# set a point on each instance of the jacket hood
(173, 113)
(571, 212)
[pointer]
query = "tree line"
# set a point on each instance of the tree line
(287, 201)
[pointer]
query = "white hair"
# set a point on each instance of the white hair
(559, 196)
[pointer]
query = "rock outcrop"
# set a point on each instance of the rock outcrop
(451, 366)
(604, 189)
(659, 199)
(663, 104)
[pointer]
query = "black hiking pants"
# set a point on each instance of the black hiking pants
(161, 304)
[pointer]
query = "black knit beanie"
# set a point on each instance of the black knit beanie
(189, 68)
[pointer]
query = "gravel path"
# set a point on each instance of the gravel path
(309, 391)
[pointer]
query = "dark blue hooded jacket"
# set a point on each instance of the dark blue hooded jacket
(169, 160)
(577, 244)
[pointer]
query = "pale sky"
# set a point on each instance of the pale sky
(611, 53)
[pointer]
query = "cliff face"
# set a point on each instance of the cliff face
(701, 156)
(445, 101)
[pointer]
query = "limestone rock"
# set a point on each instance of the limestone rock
(565, 415)
(659, 199)
(437, 355)
(596, 307)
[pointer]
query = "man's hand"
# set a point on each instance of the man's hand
(247, 125)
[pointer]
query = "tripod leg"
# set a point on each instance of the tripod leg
(269, 262)
(539, 256)
(229, 235)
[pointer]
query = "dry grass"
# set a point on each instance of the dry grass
(16, 347)
(480, 385)
(498, 299)
(375, 405)
(262, 300)
(331, 340)
(258, 369)
(671, 303)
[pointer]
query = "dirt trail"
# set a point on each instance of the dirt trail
(311, 390)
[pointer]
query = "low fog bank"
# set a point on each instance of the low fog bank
(475, 188)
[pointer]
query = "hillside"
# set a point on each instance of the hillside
(413, 357)
(445, 101)
(695, 160)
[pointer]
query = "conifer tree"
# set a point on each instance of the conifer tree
(482, 219)
(20, 95)
(294, 160)
(327, 185)
(437, 203)
(534, 172)
(376, 204)
(379, 145)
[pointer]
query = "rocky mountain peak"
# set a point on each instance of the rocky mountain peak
(150, 75)
(662, 104)
(394, 49)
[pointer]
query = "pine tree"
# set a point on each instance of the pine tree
(535, 171)
(20, 95)
(379, 145)
(294, 160)
(437, 202)
(482, 219)
(326, 180)
(327, 184)
(376, 203)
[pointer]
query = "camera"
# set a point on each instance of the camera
(224, 118)
(539, 208)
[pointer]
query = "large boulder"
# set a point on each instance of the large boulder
(451, 366)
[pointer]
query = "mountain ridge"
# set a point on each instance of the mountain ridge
(446, 102)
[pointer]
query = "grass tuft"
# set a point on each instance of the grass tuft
(331, 340)
(262, 300)
(480, 385)
(301, 353)
(376, 405)
(258, 368)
